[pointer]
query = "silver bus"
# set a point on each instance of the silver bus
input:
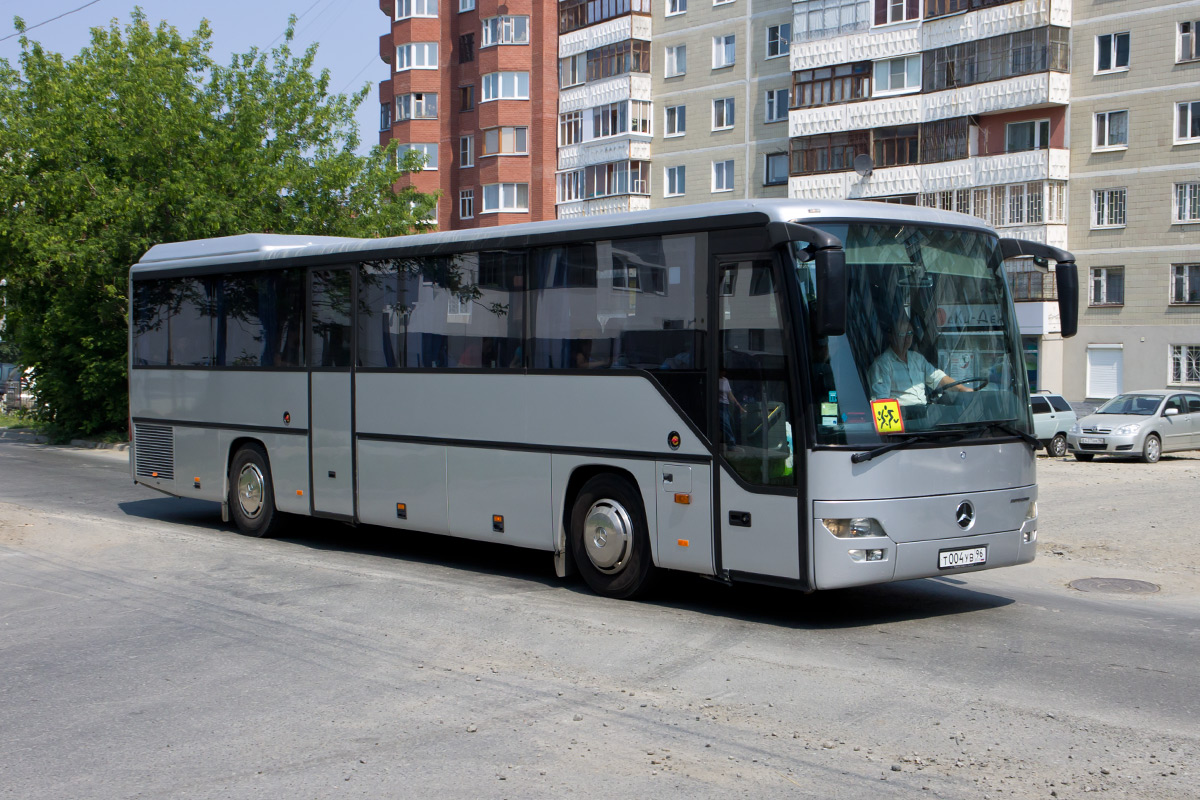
(709, 389)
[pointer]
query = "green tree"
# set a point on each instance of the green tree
(142, 138)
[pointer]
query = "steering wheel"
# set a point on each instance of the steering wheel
(937, 393)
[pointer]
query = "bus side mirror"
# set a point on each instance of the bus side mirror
(832, 282)
(1067, 277)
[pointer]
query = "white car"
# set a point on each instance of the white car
(1052, 419)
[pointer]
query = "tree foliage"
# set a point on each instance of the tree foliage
(143, 138)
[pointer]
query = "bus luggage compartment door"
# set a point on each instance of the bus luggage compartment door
(332, 436)
(684, 518)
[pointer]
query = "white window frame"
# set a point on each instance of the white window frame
(1187, 48)
(1180, 356)
(912, 69)
(1185, 203)
(675, 61)
(1112, 53)
(675, 181)
(1101, 275)
(411, 50)
(1104, 118)
(767, 169)
(513, 133)
(466, 5)
(407, 105)
(1180, 271)
(724, 51)
(466, 204)
(722, 176)
(501, 196)
(676, 7)
(1187, 114)
(894, 17)
(574, 68)
(773, 105)
(569, 186)
(466, 151)
(422, 7)
(570, 121)
(428, 149)
(495, 84)
(722, 2)
(1037, 124)
(728, 112)
(779, 38)
(503, 29)
(679, 117)
(1104, 204)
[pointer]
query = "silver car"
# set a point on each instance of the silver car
(1142, 425)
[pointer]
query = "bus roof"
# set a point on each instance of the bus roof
(259, 247)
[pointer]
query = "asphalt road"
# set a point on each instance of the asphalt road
(147, 650)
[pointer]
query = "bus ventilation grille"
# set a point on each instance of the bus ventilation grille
(154, 452)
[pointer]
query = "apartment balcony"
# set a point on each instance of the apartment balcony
(1053, 235)
(1031, 286)
(628, 147)
(599, 93)
(871, 44)
(620, 204)
(1024, 91)
(634, 26)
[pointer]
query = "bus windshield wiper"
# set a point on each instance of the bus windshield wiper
(898, 444)
(1005, 426)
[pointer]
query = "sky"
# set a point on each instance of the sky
(348, 32)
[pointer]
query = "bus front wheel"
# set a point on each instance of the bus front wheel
(610, 539)
(251, 492)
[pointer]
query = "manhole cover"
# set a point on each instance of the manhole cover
(1114, 586)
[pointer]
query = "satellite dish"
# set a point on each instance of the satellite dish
(864, 165)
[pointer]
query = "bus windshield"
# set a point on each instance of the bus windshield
(930, 326)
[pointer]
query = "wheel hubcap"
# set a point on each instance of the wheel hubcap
(250, 490)
(1152, 448)
(608, 536)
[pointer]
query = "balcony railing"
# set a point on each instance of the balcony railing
(1032, 287)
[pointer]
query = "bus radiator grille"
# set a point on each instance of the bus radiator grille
(154, 451)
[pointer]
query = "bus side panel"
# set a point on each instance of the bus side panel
(769, 542)
(397, 472)
(251, 398)
(198, 461)
(644, 475)
(288, 457)
(514, 486)
(685, 531)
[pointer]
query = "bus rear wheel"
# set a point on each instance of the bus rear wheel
(610, 539)
(252, 493)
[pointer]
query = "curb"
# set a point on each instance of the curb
(99, 445)
(21, 436)
(29, 437)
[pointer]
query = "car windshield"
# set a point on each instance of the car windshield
(1141, 405)
(928, 316)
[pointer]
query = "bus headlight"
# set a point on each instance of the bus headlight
(855, 528)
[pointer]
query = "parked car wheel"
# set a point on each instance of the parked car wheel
(1057, 446)
(1151, 449)
(1084, 456)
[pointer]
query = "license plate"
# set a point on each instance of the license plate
(966, 557)
(1091, 440)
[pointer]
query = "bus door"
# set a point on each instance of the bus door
(331, 388)
(757, 458)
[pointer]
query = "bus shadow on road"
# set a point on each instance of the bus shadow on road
(177, 511)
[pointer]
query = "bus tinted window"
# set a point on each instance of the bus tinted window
(191, 334)
(259, 317)
(331, 308)
(151, 309)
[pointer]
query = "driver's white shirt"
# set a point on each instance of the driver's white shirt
(902, 380)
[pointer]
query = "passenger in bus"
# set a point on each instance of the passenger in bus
(903, 374)
(726, 398)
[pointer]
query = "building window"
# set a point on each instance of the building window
(722, 114)
(505, 86)
(570, 186)
(998, 57)
(896, 146)
(576, 14)
(572, 70)
(722, 180)
(844, 83)
(505, 197)
(675, 180)
(1185, 363)
(627, 116)
(417, 55)
(889, 11)
(1108, 208)
(676, 123)
(385, 116)
(778, 39)
(466, 48)
(1112, 130)
(1187, 122)
(676, 7)
(416, 8)
(505, 30)
(466, 204)
(570, 128)
(1188, 51)
(944, 140)
(1112, 52)
(724, 51)
(777, 105)
(466, 151)
(828, 152)
(1185, 283)
(419, 105)
(940, 8)
(1030, 135)
(466, 98)
(819, 19)
(619, 177)
(505, 141)
(1186, 202)
(898, 75)
(1108, 286)
(631, 55)
(466, 5)
(775, 169)
(676, 61)
(428, 151)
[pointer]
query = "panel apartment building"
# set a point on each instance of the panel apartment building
(1135, 197)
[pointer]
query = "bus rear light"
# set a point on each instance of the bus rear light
(853, 528)
(497, 523)
(153, 474)
(683, 499)
(196, 482)
(868, 555)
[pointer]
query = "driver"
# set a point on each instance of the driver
(903, 374)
